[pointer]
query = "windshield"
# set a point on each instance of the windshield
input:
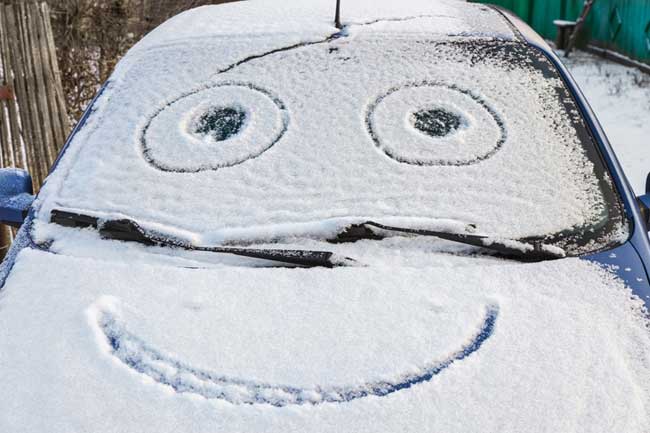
(397, 129)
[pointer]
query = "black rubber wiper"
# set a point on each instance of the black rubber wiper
(526, 249)
(130, 231)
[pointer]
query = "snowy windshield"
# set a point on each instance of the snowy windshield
(306, 139)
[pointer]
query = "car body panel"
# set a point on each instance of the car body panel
(635, 254)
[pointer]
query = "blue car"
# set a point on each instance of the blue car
(399, 216)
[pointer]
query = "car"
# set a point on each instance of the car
(400, 217)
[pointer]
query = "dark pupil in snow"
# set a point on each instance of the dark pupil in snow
(436, 122)
(221, 123)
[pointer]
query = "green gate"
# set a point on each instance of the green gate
(619, 25)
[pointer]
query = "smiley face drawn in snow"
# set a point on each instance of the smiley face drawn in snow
(269, 351)
(231, 121)
(165, 369)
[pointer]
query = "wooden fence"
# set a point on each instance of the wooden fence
(33, 119)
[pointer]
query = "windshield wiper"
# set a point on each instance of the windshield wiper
(526, 249)
(130, 231)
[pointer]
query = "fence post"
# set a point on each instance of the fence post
(33, 119)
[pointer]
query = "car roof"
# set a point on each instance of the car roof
(268, 18)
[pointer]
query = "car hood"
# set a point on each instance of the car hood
(98, 346)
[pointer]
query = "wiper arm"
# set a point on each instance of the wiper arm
(129, 230)
(527, 249)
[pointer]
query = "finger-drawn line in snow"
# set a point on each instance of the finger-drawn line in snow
(394, 122)
(342, 33)
(193, 150)
(141, 357)
(178, 168)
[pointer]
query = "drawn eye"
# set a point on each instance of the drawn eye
(212, 128)
(434, 124)
(220, 123)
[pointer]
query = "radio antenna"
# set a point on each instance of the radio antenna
(337, 15)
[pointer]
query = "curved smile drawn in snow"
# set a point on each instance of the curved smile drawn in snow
(183, 378)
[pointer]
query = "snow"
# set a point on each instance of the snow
(331, 137)
(564, 23)
(397, 250)
(480, 135)
(134, 352)
(422, 335)
(555, 346)
(265, 18)
(182, 148)
(620, 97)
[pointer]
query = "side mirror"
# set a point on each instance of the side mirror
(15, 196)
(644, 203)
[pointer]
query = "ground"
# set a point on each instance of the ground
(620, 96)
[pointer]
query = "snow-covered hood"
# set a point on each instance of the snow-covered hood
(92, 346)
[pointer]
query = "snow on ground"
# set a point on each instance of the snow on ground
(620, 96)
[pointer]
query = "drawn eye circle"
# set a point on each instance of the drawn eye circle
(220, 123)
(212, 128)
(434, 124)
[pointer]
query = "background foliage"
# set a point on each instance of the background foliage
(92, 35)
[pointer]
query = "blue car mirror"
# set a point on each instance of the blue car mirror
(15, 196)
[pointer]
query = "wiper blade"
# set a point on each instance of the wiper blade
(130, 231)
(526, 249)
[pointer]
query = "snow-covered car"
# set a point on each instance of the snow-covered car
(265, 223)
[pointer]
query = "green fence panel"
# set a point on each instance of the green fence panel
(544, 12)
(619, 25)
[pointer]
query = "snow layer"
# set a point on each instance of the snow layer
(130, 341)
(480, 134)
(567, 348)
(620, 97)
(529, 177)
(182, 149)
(269, 18)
